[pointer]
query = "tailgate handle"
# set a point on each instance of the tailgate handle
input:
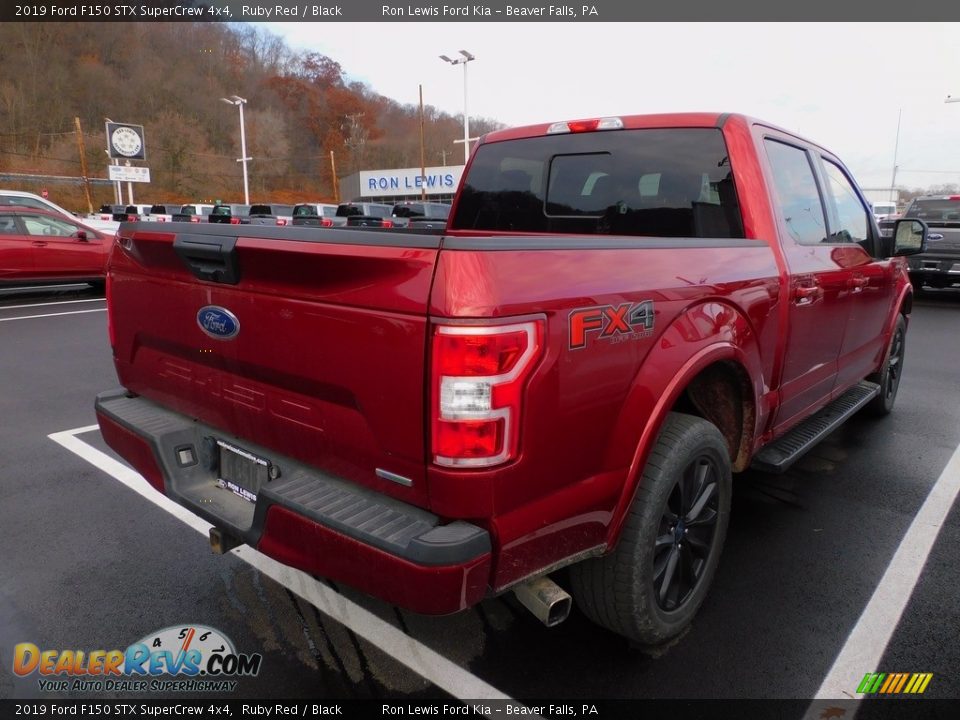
(209, 257)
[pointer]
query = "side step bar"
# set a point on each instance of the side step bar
(779, 455)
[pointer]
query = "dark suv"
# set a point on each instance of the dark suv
(314, 214)
(424, 215)
(271, 214)
(229, 214)
(362, 214)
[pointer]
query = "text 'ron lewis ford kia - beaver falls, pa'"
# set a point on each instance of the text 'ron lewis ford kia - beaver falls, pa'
(620, 314)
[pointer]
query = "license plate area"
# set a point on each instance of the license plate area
(241, 472)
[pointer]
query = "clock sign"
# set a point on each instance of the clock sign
(125, 141)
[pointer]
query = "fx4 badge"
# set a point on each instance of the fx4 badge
(616, 323)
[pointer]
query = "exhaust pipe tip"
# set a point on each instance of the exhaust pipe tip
(221, 542)
(548, 602)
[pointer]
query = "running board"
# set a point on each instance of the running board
(779, 455)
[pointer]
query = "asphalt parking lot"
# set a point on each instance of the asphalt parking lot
(89, 562)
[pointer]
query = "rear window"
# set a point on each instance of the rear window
(657, 182)
(260, 210)
(943, 209)
(304, 211)
(349, 211)
(220, 210)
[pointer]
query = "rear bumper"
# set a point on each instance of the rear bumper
(304, 517)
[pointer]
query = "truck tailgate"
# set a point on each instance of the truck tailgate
(310, 342)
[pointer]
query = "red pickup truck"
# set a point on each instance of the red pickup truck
(621, 313)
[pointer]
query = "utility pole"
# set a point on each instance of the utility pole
(896, 147)
(423, 160)
(333, 175)
(356, 138)
(83, 165)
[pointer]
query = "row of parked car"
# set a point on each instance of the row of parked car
(41, 242)
(352, 214)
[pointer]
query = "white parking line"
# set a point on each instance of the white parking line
(58, 302)
(21, 288)
(868, 640)
(427, 663)
(71, 312)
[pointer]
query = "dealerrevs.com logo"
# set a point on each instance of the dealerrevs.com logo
(199, 658)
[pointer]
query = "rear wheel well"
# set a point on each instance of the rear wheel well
(721, 394)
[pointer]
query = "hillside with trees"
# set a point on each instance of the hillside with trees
(170, 78)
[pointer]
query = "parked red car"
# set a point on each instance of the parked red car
(41, 246)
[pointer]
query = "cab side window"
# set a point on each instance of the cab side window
(43, 225)
(8, 225)
(797, 193)
(851, 224)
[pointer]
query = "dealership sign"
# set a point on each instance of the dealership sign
(125, 173)
(410, 181)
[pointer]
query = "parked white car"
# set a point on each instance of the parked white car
(28, 199)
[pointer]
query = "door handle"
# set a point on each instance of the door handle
(857, 283)
(807, 294)
(38, 243)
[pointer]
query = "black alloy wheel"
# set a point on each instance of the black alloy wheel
(686, 534)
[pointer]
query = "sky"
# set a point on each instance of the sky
(839, 84)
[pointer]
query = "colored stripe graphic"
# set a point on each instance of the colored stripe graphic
(894, 683)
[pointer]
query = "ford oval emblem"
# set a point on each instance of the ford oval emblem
(217, 322)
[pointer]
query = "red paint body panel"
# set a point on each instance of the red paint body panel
(134, 450)
(332, 362)
(436, 590)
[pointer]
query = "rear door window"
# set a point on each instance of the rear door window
(797, 193)
(657, 182)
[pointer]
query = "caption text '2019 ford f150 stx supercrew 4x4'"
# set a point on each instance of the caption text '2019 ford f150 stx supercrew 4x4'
(620, 314)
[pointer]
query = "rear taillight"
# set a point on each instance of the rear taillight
(161, 219)
(131, 218)
(194, 218)
(478, 374)
(111, 333)
(326, 222)
(281, 221)
(387, 224)
(234, 221)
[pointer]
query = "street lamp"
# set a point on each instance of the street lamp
(240, 102)
(467, 57)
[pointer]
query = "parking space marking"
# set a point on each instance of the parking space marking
(22, 288)
(44, 315)
(419, 658)
(869, 638)
(58, 302)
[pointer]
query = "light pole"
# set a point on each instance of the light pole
(240, 102)
(467, 57)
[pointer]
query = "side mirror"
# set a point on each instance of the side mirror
(909, 237)
(81, 235)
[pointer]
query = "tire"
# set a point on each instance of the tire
(889, 376)
(628, 591)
